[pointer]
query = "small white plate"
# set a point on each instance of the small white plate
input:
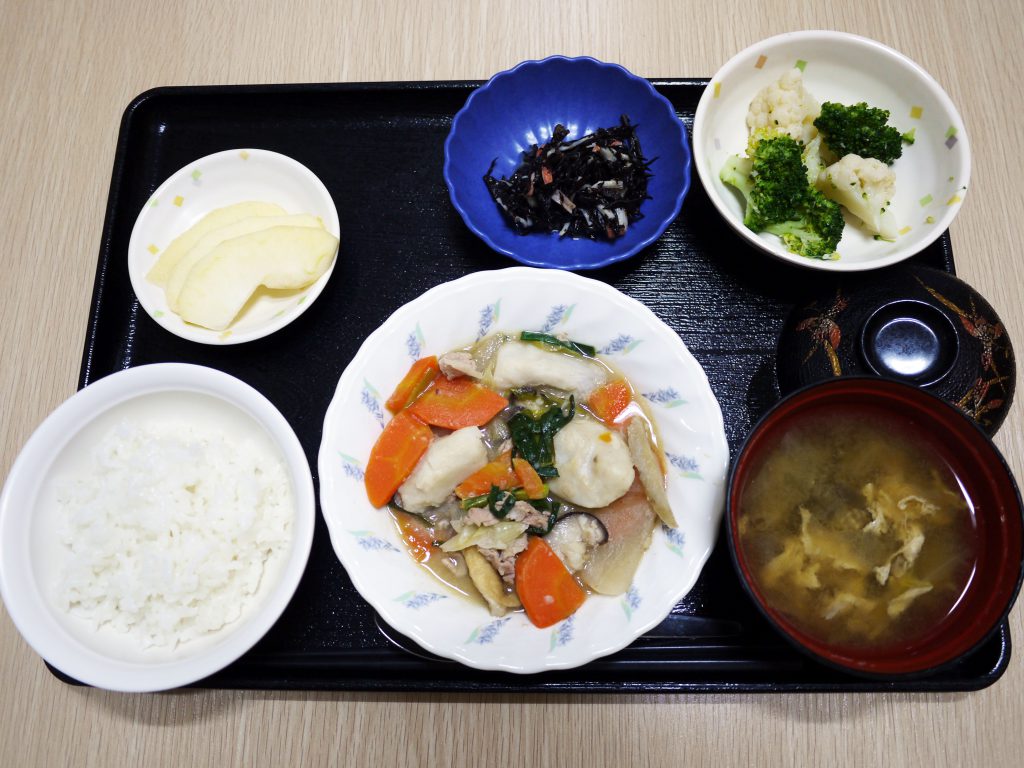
(454, 314)
(211, 182)
(931, 177)
(32, 557)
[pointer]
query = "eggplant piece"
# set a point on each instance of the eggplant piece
(489, 583)
(574, 536)
(641, 450)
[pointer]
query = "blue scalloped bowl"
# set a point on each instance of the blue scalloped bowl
(518, 108)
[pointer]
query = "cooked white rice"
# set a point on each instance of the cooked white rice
(170, 531)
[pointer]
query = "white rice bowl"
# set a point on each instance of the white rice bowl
(103, 571)
(455, 314)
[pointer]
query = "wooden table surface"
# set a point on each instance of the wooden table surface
(71, 66)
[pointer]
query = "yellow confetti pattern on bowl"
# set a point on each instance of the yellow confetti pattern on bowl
(905, 230)
(953, 200)
(925, 200)
(718, 90)
(916, 112)
(930, 220)
(153, 249)
(244, 155)
(178, 200)
(760, 61)
(800, 64)
(196, 174)
(951, 131)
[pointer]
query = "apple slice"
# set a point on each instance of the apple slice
(204, 247)
(287, 258)
(215, 219)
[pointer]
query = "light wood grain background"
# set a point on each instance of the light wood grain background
(68, 70)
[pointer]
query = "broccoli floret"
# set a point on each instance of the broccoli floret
(859, 130)
(817, 232)
(736, 173)
(773, 181)
(779, 176)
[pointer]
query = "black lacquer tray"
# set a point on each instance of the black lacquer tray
(379, 150)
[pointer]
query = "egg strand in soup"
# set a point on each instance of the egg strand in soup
(856, 531)
(523, 472)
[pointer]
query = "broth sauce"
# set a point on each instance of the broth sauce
(857, 531)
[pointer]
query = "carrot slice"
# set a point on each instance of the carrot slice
(457, 403)
(609, 401)
(394, 456)
(419, 377)
(529, 479)
(416, 537)
(498, 473)
(547, 590)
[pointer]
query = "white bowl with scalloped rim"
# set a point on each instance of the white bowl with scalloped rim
(215, 181)
(932, 176)
(454, 314)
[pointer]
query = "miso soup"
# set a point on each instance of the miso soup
(856, 530)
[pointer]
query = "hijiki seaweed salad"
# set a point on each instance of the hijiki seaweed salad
(523, 472)
(590, 187)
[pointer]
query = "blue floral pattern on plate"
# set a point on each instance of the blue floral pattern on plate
(686, 465)
(369, 541)
(416, 600)
(489, 315)
(370, 399)
(559, 315)
(675, 539)
(621, 344)
(630, 602)
(485, 634)
(414, 343)
(352, 467)
(667, 397)
(562, 634)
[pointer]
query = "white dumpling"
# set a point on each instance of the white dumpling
(518, 364)
(448, 461)
(593, 463)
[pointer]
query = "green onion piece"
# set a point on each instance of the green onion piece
(500, 502)
(517, 494)
(533, 436)
(550, 506)
(553, 341)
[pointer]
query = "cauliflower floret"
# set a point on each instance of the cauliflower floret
(866, 188)
(785, 107)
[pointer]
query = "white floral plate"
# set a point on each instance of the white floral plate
(452, 315)
(217, 180)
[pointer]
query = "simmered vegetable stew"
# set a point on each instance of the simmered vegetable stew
(523, 472)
